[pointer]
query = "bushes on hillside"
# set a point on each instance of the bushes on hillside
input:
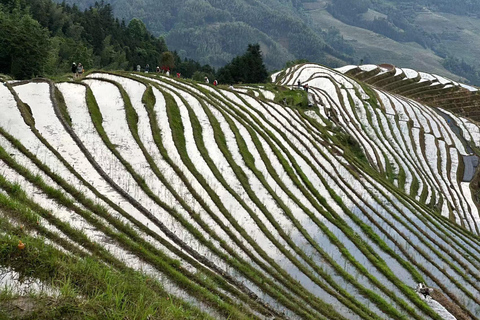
(40, 37)
(24, 45)
(248, 68)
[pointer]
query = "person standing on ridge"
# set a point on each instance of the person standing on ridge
(299, 84)
(305, 87)
(215, 82)
(138, 68)
(74, 69)
(147, 68)
(206, 80)
(79, 70)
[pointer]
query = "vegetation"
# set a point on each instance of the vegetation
(248, 68)
(291, 98)
(43, 38)
(24, 45)
(215, 32)
(288, 30)
(46, 38)
(397, 21)
(463, 69)
(105, 292)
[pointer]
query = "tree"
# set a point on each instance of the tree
(248, 68)
(137, 30)
(24, 45)
(201, 75)
(167, 61)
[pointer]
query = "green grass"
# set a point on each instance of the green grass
(292, 98)
(89, 289)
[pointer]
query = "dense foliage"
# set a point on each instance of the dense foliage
(45, 38)
(248, 68)
(397, 24)
(23, 44)
(40, 37)
(215, 31)
(460, 67)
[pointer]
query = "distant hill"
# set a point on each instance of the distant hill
(43, 38)
(415, 34)
(214, 32)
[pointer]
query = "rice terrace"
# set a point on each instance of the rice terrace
(140, 196)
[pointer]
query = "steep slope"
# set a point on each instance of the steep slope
(214, 32)
(433, 36)
(372, 47)
(242, 206)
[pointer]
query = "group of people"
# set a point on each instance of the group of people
(215, 82)
(157, 70)
(77, 70)
(305, 86)
(147, 68)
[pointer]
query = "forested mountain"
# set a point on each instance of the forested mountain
(446, 29)
(429, 35)
(213, 32)
(40, 37)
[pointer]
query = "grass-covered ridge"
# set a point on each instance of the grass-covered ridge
(141, 196)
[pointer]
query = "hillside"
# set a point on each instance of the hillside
(413, 34)
(139, 196)
(214, 32)
(43, 38)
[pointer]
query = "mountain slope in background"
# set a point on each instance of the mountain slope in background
(411, 34)
(214, 32)
(239, 203)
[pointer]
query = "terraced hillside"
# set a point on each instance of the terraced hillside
(235, 206)
(429, 89)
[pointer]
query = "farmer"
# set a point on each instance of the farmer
(206, 80)
(423, 289)
(80, 70)
(215, 83)
(74, 69)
